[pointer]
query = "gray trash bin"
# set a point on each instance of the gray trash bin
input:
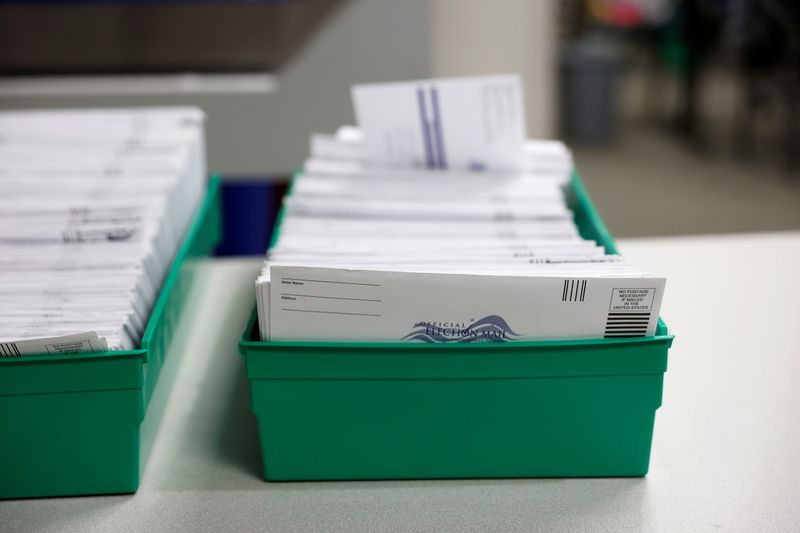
(590, 70)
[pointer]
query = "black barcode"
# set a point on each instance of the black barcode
(574, 290)
(622, 325)
(9, 349)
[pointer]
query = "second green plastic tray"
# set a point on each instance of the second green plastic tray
(330, 410)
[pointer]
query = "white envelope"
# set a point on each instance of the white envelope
(96, 205)
(468, 123)
(346, 305)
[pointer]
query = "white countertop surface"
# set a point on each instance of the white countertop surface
(726, 450)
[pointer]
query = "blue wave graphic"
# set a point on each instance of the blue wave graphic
(492, 328)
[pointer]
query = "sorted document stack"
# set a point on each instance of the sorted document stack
(95, 206)
(450, 228)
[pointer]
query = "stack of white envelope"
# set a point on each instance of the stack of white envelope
(374, 247)
(95, 205)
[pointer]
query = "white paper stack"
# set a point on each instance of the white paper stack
(95, 205)
(391, 235)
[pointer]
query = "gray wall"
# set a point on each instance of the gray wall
(267, 132)
(264, 132)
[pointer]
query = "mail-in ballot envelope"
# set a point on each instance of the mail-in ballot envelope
(464, 123)
(339, 304)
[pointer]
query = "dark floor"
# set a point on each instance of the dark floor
(650, 182)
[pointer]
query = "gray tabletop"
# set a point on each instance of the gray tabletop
(726, 451)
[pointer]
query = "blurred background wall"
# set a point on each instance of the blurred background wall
(682, 114)
(477, 37)
(259, 123)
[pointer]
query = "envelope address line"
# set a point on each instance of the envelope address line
(328, 297)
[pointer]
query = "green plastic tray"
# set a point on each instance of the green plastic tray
(83, 424)
(396, 411)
